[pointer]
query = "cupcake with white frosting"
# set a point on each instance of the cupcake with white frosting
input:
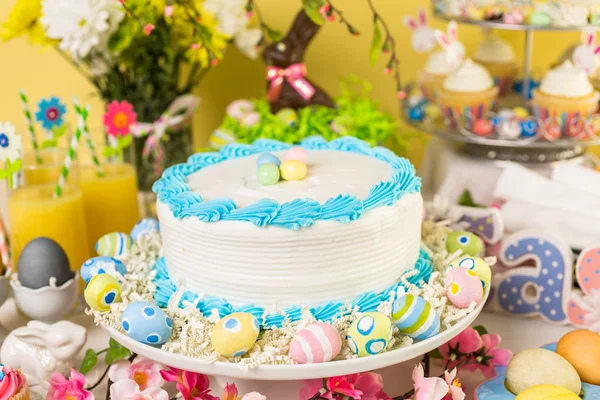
(565, 93)
(468, 91)
(498, 57)
(434, 73)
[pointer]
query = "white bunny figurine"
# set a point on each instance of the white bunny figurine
(585, 56)
(39, 350)
(423, 38)
(455, 51)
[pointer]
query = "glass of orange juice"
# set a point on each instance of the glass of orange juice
(48, 170)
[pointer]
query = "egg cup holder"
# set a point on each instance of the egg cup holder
(495, 388)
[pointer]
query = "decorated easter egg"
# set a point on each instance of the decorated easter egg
(463, 287)
(415, 317)
(220, 138)
(477, 265)
(540, 366)
(483, 127)
(113, 244)
(269, 158)
(416, 113)
(369, 334)
(250, 119)
(144, 227)
(41, 260)
(468, 242)
(267, 174)
(581, 348)
(147, 323)
(510, 129)
(296, 153)
(102, 265)
(102, 291)
(293, 170)
(547, 392)
(521, 112)
(238, 108)
(288, 116)
(319, 342)
(235, 334)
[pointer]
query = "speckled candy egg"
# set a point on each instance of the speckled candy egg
(113, 244)
(102, 291)
(101, 265)
(540, 366)
(581, 348)
(547, 392)
(369, 334)
(144, 227)
(319, 342)
(415, 317)
(235, 334)
(145, 322)
(288, 116)
(468, 242)
(463, 287)
(477, 265)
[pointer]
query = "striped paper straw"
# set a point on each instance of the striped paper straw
(70, 156)
(4, 253)
(88, 138)
(30, 125)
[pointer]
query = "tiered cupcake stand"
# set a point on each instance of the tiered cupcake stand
(463, 147)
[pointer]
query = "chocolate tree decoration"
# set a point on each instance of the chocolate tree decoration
(287, 85)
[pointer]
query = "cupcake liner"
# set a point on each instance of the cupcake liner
(430, 84)
(22, 394)
(565, 110)
(456, 105)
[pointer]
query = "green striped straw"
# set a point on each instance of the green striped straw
(83, 112)
(70, 156)
(30, 125)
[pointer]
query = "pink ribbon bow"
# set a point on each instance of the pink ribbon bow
(294, 74)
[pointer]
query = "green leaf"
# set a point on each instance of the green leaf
(109, 152)
(375, 49)
(16, 165)
(435, 353)
(48, 143)
(89, 361)
(311, 7)
(126, 141)
(116, 352)
(59, 131)
(466, 200)
(274, 35)
(481, 329)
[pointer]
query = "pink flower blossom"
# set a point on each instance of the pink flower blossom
(119, 118)
(455, 390)
(254, 396)
(364, 386)
(459, 349)
(148, 28)
(168, 11)
(340, 384)
(370, 384)
(428, 388)
(72, 389)
(191, 385)
(145, 372)
(128, 389)
(489, 356)
(230, 392)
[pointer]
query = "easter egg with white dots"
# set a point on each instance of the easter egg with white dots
(369, 334)
(113, 244)
(463, 287)
(147, 323)
(235, 334)
(415, 317)
(468, 242)
(477, 265)
(144, 227)
(102, 265)
(102, 291)
(319, 342)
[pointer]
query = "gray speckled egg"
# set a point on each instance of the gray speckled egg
(41, 260)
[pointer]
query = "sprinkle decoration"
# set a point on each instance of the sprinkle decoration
(50, 114)
(88, 138)
(30, 125)
(71, 155)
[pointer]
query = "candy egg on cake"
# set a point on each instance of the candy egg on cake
(293, 170)
(113, 244)
(101, 291)
(147, 323)
(144, 227)
(369, 334)
(319, 342)
(296, 153)
(102, 265)
(267, 158)
(415, 317)
(477, 265)
(463, 287)
(267, 174)
(235, 334)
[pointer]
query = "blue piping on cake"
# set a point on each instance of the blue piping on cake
(172, 188)
(366, 302)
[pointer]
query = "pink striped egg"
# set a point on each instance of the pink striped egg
(319, 342)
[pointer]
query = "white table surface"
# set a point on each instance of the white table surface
(517, 334)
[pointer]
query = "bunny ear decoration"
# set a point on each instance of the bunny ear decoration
(453, 30)
(410, 22)
(423, 38)
(585, 56)
(422, 16)
(442, 39)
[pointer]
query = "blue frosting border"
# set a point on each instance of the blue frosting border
(366, 302)
(173, 190)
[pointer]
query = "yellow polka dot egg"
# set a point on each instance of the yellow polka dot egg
(235, 334)
(369, 334)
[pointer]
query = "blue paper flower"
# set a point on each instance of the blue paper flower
(50, 112)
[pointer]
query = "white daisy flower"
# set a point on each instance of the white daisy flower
(10, 142)
(81, 25)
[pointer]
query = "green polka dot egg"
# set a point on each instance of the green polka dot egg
(468, 242)
(235, 334)
(477, 265)
(369, 334)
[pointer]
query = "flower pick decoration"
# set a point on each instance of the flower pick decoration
(119, 120)
(10, 152)
(50, 114)
(423, 37)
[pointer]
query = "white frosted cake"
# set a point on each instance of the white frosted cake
(345, 234)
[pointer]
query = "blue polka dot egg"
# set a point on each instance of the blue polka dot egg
(113, 244)
(102, 291)
(144, 227)
(369, 334)
(102, 265)
(415, 317)
(147, 323)
(235, 334)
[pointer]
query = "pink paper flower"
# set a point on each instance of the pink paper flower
(72, 389)
(145, 372)
(119, 118)
(489, 356)
(254, 396)
(230, 392)
(191, 385)
(340, 384)
(428, 388)
(461, 347)
(455, 390)
(370, 384)
(128, 389)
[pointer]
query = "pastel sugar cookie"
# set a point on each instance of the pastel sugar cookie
(369, 334)
(319, 342)
(484, 222)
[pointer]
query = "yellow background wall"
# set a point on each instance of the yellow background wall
(334, 53)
